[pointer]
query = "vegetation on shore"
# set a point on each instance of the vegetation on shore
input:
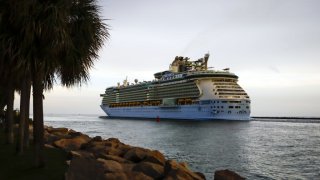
(42, 42)
(16, 167)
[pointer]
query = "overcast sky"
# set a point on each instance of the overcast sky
(272, 45)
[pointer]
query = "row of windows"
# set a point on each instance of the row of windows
(209, 101)
(225, 83)
(230, 86)
(229, 90)
(224, 80)
(230, 107)
(229, 112)
(232, 93)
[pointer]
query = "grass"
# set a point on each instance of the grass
(16, 167)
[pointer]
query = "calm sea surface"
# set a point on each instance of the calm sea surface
(259, 149)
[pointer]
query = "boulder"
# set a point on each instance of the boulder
(55, 130)
(72, 144)
(150, 169)
(61, 135)
(115, 140)
(174, 170)
(73, 134)
(93, 144)
(227, 175)
(110, 146)
(50, 138)
(111, 151)
(100, 150)
(184, 164)
(114, 158)
(79, 153)
(136, 154)
(137, 176)
(116, 176)
(49, 146)
(123, 149)
(127, 167)
(110, 165)
(200, 174)
(83, 168)
(97, 138)
(178, 175)
(155, 157)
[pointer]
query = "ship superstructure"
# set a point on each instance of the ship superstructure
(188, 90)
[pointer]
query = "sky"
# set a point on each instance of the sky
(272, 45)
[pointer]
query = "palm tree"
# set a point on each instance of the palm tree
(8, 89)
(23, 133)
(59, 37)
(13, 66)
(87, 33)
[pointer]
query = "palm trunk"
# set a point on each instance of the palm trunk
(9, 114)
(38, 130)
(26, 127)
(2, 113)
(23, 109)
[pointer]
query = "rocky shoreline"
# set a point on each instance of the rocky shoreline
(97, 158)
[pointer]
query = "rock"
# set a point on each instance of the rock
(79, 153)
(155, 157)
(178, 175)
(201, 175)
(110, 165)
(136, 154)
(97, 138)
(71, 131)
(174, 170)
(114, 158)
(110, 146)
(98, 144)
(72, 144)
(61, 135)
(50, 138)
(54, 130)
(127, 167)
(123, 149)
(150, 169)
(116, 176)
(73, 134)
(115, 140)
(83, 168)
(227, 175)
(184, 164)
(100, 150)
(95, 158)
(93, 145)
(127, 176)
(137, 176)
(112, 151)
(49, 146)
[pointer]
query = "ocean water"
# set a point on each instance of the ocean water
(258, 149)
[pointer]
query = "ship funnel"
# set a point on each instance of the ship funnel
(206, 58)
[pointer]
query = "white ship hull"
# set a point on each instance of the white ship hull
(185, 112)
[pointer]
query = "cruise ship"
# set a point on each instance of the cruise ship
(189, 90)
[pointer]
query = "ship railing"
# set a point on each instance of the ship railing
(207, 72)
